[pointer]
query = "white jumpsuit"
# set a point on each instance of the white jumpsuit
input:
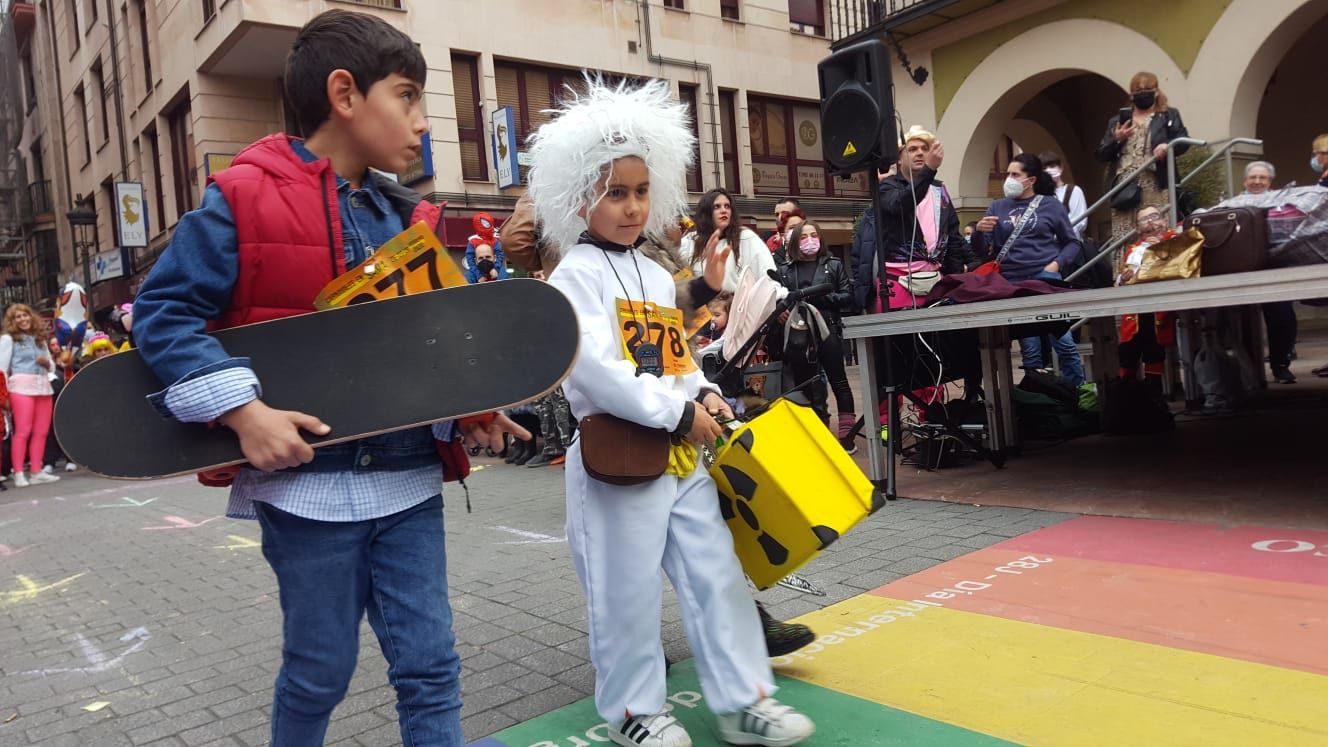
(620, 536)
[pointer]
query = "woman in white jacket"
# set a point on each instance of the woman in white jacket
(715, 213)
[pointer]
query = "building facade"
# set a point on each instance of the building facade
(164, 93)
(1038, 75)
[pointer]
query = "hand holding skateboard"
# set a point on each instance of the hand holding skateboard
(270, 439)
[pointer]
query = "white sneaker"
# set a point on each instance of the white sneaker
(48, 469)
(70, 467)
(768, 723)
(659, 730)
(20, 480)
(41, 477)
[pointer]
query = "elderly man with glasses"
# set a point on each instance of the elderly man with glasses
(1145, 337)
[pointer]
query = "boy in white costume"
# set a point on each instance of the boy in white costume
(608, 169)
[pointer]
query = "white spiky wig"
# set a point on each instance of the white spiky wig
(591, 131)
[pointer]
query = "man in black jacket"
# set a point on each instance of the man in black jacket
(920, 220)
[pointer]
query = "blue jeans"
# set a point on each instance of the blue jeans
(1067, 352)
(329, 574)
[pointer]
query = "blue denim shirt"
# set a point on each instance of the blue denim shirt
(191, 284)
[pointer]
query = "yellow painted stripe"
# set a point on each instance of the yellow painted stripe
(1039, 685)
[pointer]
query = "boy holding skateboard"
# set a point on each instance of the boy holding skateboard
(356, 526)
(607, 170)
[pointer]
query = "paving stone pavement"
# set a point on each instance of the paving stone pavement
(145, 597)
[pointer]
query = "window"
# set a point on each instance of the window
(159, 183)
(142, 7)
(38, 166)
(209, 10)
(81, 106)
(687, 94)
(807, 15)
(91, 14)
(675, 4)
(72, 6)
(29, 84)
(470, 116)
(183, 170)
(728, 128)
(728, 9)
(530, 90)
(48, 263)
(110, 213)
(99, 88)
(786, 148)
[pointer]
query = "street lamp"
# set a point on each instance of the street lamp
(83, 220)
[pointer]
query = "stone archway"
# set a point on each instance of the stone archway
(1239, 58)
(1037, 60)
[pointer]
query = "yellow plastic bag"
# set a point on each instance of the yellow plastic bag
(787, 490)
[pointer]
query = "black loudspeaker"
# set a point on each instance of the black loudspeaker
(857, 108)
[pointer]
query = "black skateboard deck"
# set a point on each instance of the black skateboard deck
(365, 369)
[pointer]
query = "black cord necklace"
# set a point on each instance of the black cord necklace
(648, 356)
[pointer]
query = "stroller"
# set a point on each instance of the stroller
(740, 366)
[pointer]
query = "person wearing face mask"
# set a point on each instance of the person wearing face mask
(1142, 130)
(920, 228)
(1029, 234)
(1319, 159)
(809, 263)
(1070, 195)
(484, 252)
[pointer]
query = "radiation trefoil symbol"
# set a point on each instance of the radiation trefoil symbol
(745, 488)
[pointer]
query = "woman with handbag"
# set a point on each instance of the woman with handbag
(1030, 237)
(1143, 129)
(822, 354)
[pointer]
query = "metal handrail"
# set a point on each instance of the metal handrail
(1172, 184)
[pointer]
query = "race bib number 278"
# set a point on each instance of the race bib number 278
(659, 325)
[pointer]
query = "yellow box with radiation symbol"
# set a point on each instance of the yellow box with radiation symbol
(787, 490)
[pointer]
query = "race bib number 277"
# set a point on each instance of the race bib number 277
(413, 261)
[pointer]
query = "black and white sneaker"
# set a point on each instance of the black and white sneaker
(768, 722)
(658, 730)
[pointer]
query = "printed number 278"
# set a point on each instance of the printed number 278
(638, 332)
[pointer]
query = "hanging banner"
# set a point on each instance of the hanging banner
(504, 147)
(131, 214)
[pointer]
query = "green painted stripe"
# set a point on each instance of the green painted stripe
(840, 720)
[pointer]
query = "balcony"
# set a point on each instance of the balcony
(24, 17)
(250, 40)
(850, 20)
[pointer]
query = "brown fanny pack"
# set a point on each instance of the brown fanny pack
(620, 452)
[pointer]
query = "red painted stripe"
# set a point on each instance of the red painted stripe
(1233, 616)
(1298, 555)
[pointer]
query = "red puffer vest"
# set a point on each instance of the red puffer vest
(288, 230)
(288, 227)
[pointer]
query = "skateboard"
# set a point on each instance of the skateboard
(364, 369)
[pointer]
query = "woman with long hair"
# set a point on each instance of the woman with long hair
(1142, 129)
(27, 366)
(1029, 234)
(811, 264)
(714, 213)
